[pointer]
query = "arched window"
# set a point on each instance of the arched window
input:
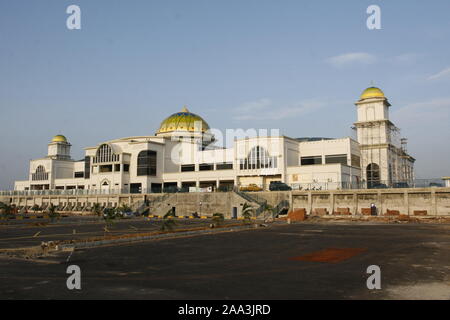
(258, 158)
(373, 174)
(105, 154)
(40, 169)
(40, 174)
(146, 163)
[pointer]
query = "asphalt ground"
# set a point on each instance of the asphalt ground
(267, 263)
(24, 233)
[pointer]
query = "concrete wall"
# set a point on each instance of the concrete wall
(436, 201)
(204, 204)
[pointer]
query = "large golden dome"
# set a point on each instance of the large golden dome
(183, 121)
(372, 92)
(59, 138)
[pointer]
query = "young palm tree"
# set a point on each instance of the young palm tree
(168, 223)
(35, 208)
(247, 212)
(125, 208)
(109, 215)
(97, 209)
(218, 218)
(5, 209)
(53, 215)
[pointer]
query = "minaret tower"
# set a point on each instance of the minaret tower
(377, 137)
(59, 148)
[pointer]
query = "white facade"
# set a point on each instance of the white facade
(182, 154)
(384, 158)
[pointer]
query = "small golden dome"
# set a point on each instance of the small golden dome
(183, 121)
(59, 138)
(372, 92)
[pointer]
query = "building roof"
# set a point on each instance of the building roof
(59, 138)
(183, 121)
(372, 92)
(310, 139)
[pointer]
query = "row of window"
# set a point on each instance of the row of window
(40, 174)
(251, 164)
(69, 188)
(105, 154)
(258, 158)
(146, 163)
(329, 159)
(113, 168)
(207, 167)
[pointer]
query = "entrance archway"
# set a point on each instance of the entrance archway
(105, 187)
(373, 175)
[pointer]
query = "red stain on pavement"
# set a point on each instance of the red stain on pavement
(330, 255)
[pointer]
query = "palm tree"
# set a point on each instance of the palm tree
(125, 208)
(35, 208)
(52, 213)
(247, 212)
(97, 209)
(109, 215)
(168, 223)
(6, 209)
(218, 218)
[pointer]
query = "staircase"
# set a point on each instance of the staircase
(282, 206)
(139, 207)
(254, 201)
(158, 206)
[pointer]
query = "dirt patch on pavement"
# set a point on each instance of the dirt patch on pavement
(421, 291)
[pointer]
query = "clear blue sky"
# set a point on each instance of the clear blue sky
(294, 65)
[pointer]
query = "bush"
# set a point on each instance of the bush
(218, 218)
(109, 215)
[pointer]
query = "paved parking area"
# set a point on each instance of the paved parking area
(23, 233)
(254, 264)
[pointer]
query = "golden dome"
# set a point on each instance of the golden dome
(372, 92)
(183, 121)
(59, 138)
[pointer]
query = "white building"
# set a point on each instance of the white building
(383, 152)
(183, 154)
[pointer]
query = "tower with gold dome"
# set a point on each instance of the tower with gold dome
(384, 161)
(59, 148)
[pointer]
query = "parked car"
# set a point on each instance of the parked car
(400, 185)
(435, 184)
(377, 186)
(251, 187)
(126, 214)
(279, 186)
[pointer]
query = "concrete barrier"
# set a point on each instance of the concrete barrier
(436, 201)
